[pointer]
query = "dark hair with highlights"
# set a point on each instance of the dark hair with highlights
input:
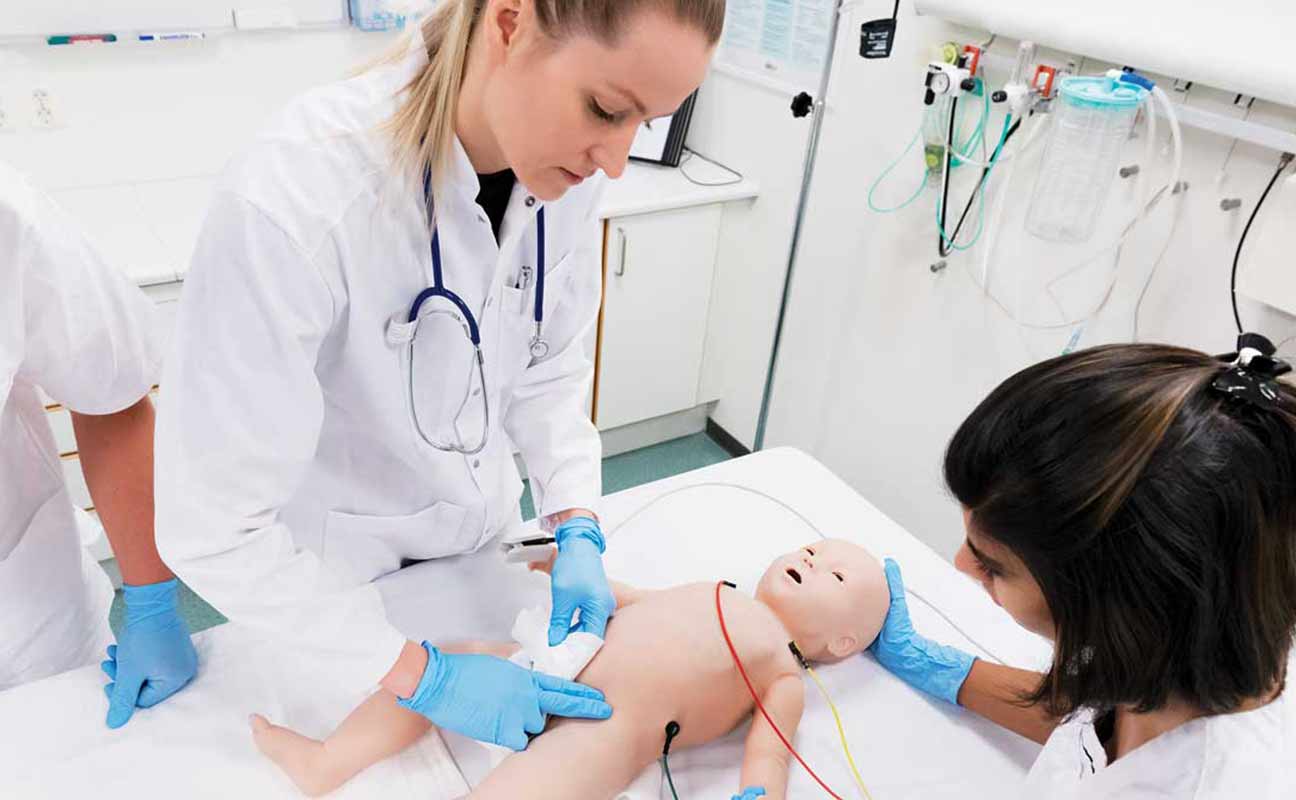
(1157, 516)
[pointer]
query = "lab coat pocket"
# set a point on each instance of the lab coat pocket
(517, 326)
(367, 546)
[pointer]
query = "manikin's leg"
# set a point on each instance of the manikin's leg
(612, 753)
(378, 728)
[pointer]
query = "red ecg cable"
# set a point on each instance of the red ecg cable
(743, 672)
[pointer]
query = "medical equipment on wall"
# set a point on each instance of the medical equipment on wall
(406, 331)
(1088, 121)
(878, 35)
(1092, 119)
(948, 84)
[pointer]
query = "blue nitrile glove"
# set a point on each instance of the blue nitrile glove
(153, 658)
(493, 700)
(578, 581)
(750, 793)
(936, 669)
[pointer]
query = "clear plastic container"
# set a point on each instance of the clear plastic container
(375, 15)
(1093, 117)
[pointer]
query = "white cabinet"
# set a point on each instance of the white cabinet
(658, 271)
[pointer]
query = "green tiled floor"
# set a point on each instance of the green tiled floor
(619, 472)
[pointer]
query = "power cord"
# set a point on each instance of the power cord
(688, 156)
(1283, 162)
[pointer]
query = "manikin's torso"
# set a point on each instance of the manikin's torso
(664, 659)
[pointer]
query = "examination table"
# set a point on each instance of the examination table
(198, 745)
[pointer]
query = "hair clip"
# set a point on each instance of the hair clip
(1253, 372)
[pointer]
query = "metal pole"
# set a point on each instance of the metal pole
(812, 150)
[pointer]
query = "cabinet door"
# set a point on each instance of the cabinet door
(658, 270)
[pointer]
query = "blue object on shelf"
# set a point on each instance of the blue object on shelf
(374, 15)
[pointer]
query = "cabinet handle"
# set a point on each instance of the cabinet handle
(621, 266)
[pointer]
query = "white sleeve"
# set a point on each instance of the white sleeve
(239, 418)
(546, 415)
(89, 335)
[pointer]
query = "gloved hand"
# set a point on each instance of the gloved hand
(153, 658)
(750, 793)
(578, 581)
(493, 700)
(936, 669)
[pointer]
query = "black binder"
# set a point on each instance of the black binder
(673, 149)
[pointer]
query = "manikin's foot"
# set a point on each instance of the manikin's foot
(300, 757)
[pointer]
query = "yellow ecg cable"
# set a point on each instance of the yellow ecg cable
(841, 732)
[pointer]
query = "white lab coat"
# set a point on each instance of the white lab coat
(74, 327)
(289, 473)
(1248, 755)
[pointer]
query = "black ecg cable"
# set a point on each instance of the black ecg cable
(941, 246)
(672, 730)
(1283, 163)
(980, 187)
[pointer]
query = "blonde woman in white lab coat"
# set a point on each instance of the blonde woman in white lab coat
(73, 327)
(291, 471)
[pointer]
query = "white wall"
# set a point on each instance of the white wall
(748, 127)
(882, 359)
(23, 18)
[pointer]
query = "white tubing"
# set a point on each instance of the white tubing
(1153, 198)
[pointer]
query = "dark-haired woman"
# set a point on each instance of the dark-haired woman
(1136, 505)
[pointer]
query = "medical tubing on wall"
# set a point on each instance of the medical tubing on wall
(977, 196)
(922, 183)
(945, 181)
(979, 193)
(1003, 159)
(1176, 135)
(961, 155)
(1156, 265)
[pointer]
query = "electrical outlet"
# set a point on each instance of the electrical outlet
(44, 114)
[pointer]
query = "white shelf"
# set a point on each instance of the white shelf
(645, 188)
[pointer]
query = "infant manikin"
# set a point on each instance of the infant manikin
(663, 660)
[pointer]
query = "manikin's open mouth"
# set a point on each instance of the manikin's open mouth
(796, 576)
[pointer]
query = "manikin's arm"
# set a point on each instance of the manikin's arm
(116, 452)
(994, 692)
(765, 760)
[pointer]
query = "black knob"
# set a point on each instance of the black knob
(968, 84)
(802, 105)
(999, 96)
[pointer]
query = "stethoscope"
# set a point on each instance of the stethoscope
(539, 346)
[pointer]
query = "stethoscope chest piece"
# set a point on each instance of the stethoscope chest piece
(539, 347)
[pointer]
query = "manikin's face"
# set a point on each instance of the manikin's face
(831, 595)
(1005, 578)
(562, 109)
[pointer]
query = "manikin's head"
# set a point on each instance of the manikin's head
(831, 595)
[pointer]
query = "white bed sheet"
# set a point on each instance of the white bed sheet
(197, 744)
(906, 745)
